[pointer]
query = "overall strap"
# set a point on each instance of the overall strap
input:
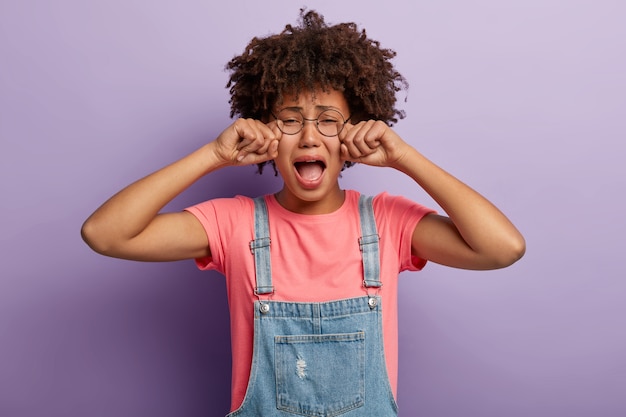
(368, 243)
(260, 248)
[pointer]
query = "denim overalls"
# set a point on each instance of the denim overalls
(318, 359)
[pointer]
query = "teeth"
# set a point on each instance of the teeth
(311, 161)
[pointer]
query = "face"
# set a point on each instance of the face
(309, 162)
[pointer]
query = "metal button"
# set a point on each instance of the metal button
(372, 302)
(265, 308)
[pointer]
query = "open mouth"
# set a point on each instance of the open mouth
(310, 170)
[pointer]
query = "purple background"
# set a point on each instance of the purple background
(523, 100)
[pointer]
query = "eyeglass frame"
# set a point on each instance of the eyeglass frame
(316, 120)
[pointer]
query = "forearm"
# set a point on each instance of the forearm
(482, 226)
(131, 210)
(129, 224)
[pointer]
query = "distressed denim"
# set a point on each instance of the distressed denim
(317, 359)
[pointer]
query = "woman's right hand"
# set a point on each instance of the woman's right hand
(247, 141)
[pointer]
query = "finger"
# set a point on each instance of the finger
(271, 135)
(345, 154)
(349, 150)
(372, 137)
(371, 133)
(260, 146)
(256, 138)
(245, 134)
(272, 152)
(257, 157)
(363, 145)
(251, 136)
(278, 134)
(358, 142)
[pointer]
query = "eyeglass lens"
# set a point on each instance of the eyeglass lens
(329, 122)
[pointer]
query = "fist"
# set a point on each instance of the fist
(248, 141)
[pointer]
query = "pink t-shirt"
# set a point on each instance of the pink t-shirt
(314, 258)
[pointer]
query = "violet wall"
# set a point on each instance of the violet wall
(523, 100)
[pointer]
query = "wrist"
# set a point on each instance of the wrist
(407, 160)
(212, 158)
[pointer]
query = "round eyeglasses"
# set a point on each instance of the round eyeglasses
(329, 122)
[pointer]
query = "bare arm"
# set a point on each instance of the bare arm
(476, 235)
(129, 224)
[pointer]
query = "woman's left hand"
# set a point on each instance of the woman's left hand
(372, 142)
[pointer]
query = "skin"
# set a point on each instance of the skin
(473, 235)
(327, 196)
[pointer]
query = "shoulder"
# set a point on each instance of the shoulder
(387, 203)
(398, 212)
(231, 205)
(224, 215)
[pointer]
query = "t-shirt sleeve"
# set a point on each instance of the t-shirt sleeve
(397, 218)
(220, 218)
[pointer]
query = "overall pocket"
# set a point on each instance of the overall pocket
(320, 375)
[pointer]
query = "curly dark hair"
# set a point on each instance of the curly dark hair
(315, 55)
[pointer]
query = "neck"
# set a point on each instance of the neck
(328, 204)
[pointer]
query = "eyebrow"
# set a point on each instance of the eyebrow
(318, 107)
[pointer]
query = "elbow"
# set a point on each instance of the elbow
(510, 252)
(94, 237)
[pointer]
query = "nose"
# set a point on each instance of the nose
(310, 136)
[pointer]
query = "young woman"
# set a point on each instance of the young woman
(312, 269)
